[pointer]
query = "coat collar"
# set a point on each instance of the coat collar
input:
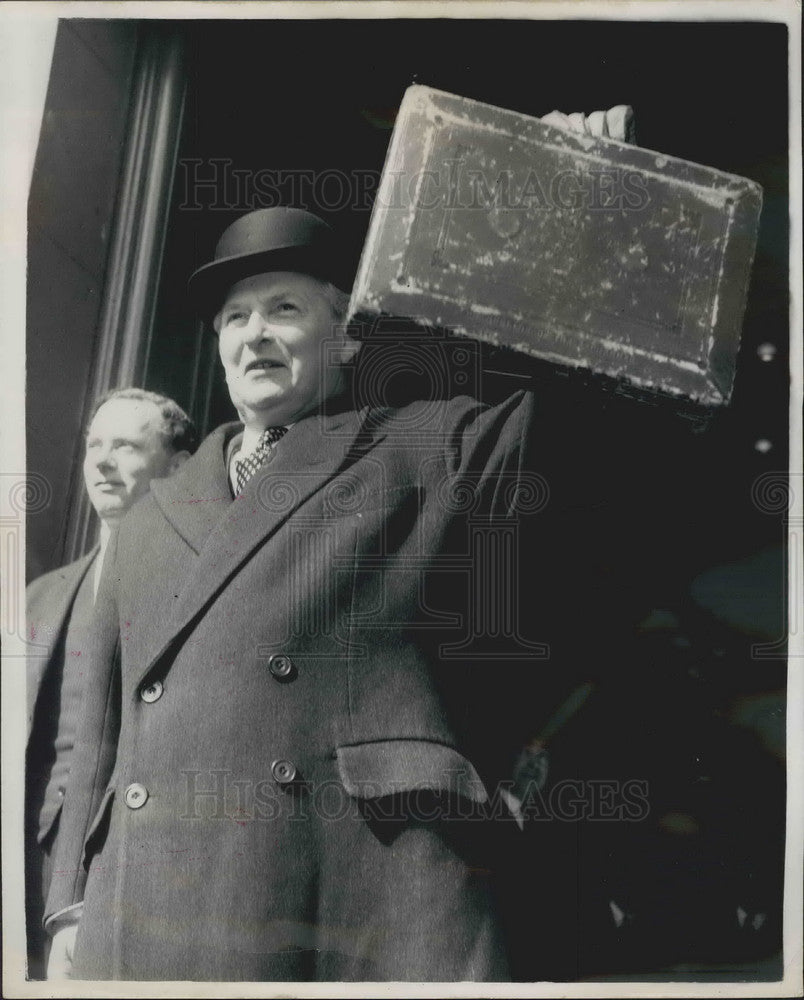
(197, 496)
(223, 531)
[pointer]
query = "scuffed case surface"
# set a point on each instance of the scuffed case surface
(575, 250)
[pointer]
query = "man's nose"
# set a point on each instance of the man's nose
(256, 330)
(104, 458)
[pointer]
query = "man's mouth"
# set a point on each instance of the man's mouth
(263, 365)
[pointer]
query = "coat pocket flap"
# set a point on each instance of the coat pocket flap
(386, 767)
(96, 825)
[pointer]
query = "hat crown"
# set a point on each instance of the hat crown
(268, 229)
(270, 239)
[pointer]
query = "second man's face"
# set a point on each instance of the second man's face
(272, 329)
(125, 450)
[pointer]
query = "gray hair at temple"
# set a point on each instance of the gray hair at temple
(178, 431)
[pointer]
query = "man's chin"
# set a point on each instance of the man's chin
(108, 511)
(274, 409)
(273, 396)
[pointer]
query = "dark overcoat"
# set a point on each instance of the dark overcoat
(48, 601)
(281, 777)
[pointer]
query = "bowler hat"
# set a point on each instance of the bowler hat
(269, 239)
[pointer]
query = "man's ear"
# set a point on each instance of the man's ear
(177, 460)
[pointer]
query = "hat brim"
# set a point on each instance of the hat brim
(208, 285)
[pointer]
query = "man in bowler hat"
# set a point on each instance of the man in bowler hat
(281, 772)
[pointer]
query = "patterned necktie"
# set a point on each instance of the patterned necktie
(246, 467)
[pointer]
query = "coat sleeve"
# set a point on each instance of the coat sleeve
(491, 491)
(94, 751)
(491, 458)
(585, 504)
(555, 512)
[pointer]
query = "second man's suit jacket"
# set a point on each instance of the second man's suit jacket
(48, 600)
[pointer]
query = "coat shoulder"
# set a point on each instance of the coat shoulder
(450, 415)
(44, 584)
(49, 587)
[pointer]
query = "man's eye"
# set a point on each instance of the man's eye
(286, 307)
(235, 316)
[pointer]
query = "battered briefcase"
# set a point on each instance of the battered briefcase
(580, 251)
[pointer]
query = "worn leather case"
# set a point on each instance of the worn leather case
(579, 251)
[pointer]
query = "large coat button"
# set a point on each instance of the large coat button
(136, 796)
(281, 666)
(152, 692)
(284, 771)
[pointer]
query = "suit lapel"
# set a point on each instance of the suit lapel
(59, 597)
(225, 534)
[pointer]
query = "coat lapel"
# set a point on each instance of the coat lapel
(224, 532)
(58, 599)
(196, 498)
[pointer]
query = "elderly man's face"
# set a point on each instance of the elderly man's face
(272, 328)
(124, 452)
